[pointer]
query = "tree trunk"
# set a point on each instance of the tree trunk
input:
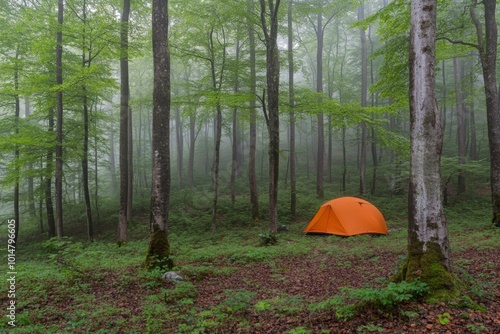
(85, 149)
(291, 101)
(59, 123)
(270, 16)
(85, 167)
(428, 247)
(96, 174)
(488, 54)
(112, 162)
(235, 144)
(158, 255)
(364, 103)
(320, 161)
(122, 236)
(344, 159)
(49, 207)
(373, 141)
(252, 173)
(375, 160)
(473, 152)
(216, 86)
(130, 169)
(180, 146)
(30, 179)
(215, 165)
(16, 150)
(461, 121)
(192, 139)
(444, 97)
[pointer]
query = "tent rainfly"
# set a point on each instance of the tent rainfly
(347, 216)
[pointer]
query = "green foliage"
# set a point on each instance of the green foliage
(182, 290)
(351, 301)
(444, 318)
(283, 305)
(370, 328)
(299, 330)
(156, 315)
(236, 301)
(63, 245)
(388, 296)
(477, 328)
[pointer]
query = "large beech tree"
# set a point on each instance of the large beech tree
(428, 247)
(159, 247)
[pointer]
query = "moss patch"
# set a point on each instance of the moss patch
(159, 250)
(428, 267)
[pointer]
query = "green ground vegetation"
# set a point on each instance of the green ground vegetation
(70, 285)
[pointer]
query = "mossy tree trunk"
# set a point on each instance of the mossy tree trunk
(159, 248)
(428, 246)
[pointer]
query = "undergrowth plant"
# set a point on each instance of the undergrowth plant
(350, 301)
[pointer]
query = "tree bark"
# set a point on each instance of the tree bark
(122, 236)
(488, 53)
(428, 247)
(159, 248)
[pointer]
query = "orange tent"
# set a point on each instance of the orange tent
(347, 216)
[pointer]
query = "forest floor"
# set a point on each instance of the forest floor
(231, 285)
(313, 278)
(264, 294)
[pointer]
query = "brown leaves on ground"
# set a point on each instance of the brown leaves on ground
(292, 283)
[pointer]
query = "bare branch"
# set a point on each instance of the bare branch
(458, 42)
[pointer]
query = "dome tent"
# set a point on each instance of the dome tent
(347, 216)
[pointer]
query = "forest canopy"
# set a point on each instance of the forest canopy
(350, 120)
